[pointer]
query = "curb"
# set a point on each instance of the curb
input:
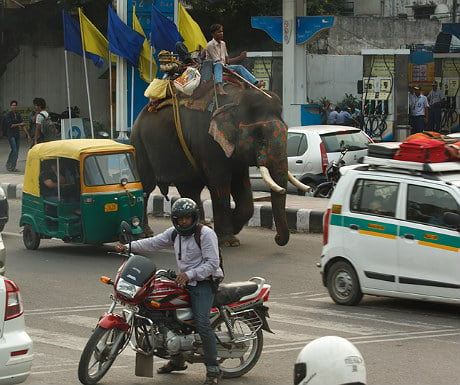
(299, 220)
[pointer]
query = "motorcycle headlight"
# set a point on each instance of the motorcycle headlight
(127, 289)
(135, 221)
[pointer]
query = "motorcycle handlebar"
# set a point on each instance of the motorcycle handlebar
(171, 274)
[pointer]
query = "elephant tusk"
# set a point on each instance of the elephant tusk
(270, 182)
(297, 183)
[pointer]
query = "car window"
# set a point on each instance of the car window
(297, 144)
(337, 141)
(428, 205)
(375, 197)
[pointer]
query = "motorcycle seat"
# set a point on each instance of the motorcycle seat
(232, 292)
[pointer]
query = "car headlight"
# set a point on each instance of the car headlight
(135, 221)
(127, 289)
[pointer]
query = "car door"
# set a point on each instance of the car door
(372, 230)
(428, 249)
(299, 157)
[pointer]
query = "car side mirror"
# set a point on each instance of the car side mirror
(452, 219)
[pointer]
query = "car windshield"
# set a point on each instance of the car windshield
(352, 140)
(109, 169)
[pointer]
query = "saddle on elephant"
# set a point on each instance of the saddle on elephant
(179, 76)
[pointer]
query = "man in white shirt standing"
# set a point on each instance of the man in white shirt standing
(435, 99)
(418, 111)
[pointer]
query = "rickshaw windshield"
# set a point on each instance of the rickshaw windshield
(107, 169)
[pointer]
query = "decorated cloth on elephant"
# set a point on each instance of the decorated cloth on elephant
(223, 131)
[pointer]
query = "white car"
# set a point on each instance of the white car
(392, 228)
(310, 149)
(2, 256)
(16, 348)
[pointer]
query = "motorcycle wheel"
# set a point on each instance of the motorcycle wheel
(323, 191)
(94, 360)
(30, 238)
(238, 366)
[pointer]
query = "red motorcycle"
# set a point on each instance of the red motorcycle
(155, 319)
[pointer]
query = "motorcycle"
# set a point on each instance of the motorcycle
(325, 189)
(155, 319)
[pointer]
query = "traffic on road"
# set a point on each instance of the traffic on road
(401, 340)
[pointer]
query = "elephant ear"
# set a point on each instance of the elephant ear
(224, 129)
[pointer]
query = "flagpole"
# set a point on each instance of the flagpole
(86, 76)
(110, 96)
(88, 95)
(68, 99)
(132, 96)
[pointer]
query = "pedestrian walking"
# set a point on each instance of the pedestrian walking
(12, 122)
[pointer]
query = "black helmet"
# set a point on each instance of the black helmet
(185, 207)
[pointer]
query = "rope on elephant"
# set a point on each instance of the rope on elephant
(180, 134)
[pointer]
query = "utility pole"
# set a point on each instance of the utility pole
(454, 10)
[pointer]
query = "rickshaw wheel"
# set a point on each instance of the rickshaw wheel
(30, 238)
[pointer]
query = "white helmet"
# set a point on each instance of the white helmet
(329, 361)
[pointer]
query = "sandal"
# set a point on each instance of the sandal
(212, 378)
(171, 367)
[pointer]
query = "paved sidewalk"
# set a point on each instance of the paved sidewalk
(304, 214)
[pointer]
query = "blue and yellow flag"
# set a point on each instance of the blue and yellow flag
(145, 56)
(72, 39)
(194, 39)
(93, 40)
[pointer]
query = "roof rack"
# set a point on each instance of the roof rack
(415, 166)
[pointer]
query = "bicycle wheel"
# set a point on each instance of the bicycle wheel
(444, 118)
(381, 126)
(453, 117)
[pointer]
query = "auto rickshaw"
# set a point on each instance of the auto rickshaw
(80, 190)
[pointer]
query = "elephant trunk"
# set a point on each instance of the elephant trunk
(279, 216)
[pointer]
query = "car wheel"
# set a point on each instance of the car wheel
(343, 284)
(30, 238)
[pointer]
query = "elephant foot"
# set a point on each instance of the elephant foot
(229, 241)
(146, 232)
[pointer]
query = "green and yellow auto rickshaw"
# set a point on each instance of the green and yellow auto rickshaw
(80, 190)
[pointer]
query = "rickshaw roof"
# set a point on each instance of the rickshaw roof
(67, 148)
(73, 148)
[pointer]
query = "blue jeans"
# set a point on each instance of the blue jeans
(202, 298)
(239, 69)
(14, 153)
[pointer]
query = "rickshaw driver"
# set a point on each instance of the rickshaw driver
(49, 181)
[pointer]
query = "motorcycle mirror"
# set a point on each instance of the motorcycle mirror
(126, 235)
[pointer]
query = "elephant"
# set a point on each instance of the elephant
(247, 130)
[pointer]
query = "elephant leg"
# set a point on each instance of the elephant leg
(148, 179)
(223, 216)
(244, 203)
(146, 229)
(192, 191)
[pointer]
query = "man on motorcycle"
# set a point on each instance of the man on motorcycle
(198, 267)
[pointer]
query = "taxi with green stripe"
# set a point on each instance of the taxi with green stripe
(392, 229)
